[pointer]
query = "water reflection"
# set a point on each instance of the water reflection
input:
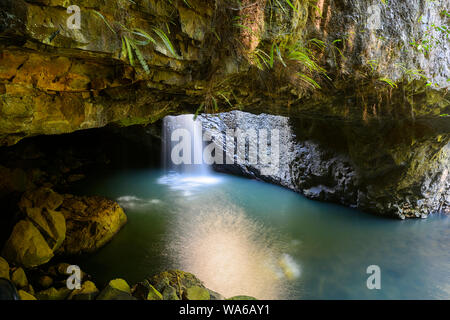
(230, 252)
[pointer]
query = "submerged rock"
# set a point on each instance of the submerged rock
(91, 222)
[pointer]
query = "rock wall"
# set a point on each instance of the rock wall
(389, 168)
(56, 79)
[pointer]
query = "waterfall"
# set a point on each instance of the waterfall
(182, 140)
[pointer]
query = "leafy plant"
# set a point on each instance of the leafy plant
(133, 39)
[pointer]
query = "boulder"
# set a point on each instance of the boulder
(153, 294)
(26, 246)
(196, 293)
(117, 289)
(120, 284)
(51, 224)
(25, 295)
(170, 293)
(88, 291)
(4, 268)
(19, 278)
(91, 222)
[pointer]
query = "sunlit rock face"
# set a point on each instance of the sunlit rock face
(398, 168)
(383, 32)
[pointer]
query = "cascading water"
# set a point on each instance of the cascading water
(175, 130)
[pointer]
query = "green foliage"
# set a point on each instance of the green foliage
(389, 82)
(133, 38)
(429, 41)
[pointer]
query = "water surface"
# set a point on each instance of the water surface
(243, 236)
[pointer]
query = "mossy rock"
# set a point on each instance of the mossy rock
(4, 268)
(19, 278)
(242, 298)
(117, 289)
(173, 283)
(25, 295)
(120, 284)
(196, 293)
(26, 246)
(170, 293)
(153, 294)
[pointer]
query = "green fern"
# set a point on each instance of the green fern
(166, 41)
(389, 82)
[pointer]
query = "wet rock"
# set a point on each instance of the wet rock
(88, 291)
(26, 246)
(91, 222)
(25, 295)
(4, 268)
(19, 278)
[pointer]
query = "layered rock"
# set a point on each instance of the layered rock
(55, 79)
(389, 168)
